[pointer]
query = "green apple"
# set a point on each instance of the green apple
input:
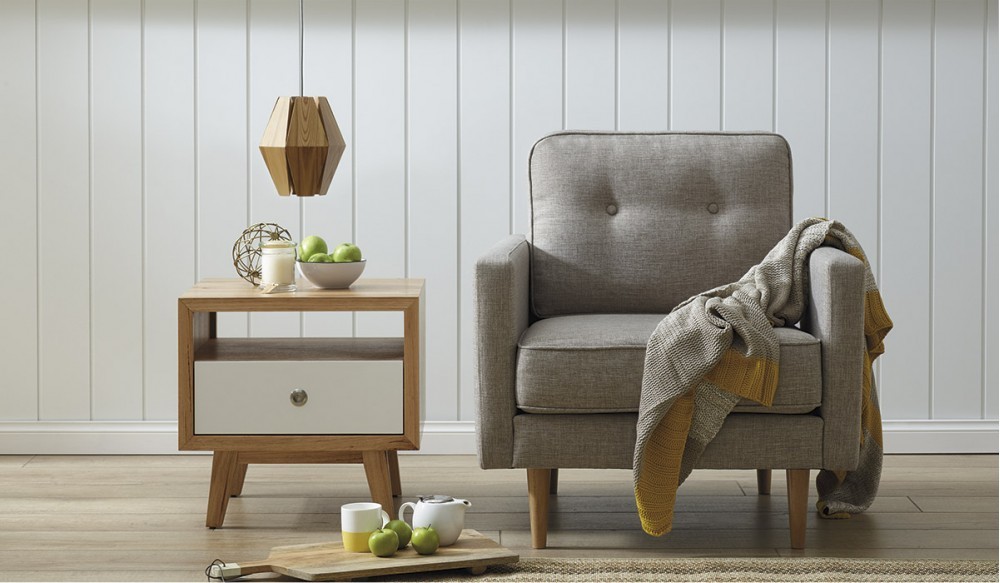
(402, 531)
(425, 540)
(320, 258)
(383, 542)
(346, 253)
(310, 246)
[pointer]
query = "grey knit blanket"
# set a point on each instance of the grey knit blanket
(720, 346)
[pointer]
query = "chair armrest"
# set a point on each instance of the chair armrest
(501, 315)
(835, 315)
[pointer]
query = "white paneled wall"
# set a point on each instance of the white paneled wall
(130, 165)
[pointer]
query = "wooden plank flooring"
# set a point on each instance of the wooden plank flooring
(132, 518)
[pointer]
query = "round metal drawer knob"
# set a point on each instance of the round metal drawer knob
(298, 397)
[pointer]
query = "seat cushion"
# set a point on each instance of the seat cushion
(593, 364)
(638, 222)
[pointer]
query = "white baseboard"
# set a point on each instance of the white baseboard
(439, 437)
(941, 436)
(88, 437)
(160, 438)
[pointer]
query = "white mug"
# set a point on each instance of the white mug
(358, 521)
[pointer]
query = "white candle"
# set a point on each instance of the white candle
(278, 269)
(277, 265)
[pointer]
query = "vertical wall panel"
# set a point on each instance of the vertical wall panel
(748, 65)
(380, 150)
(19, 342)
(800, 99)
(958, 207)
(695, 61)
(433, 190)
(992, 199)
(222, 142)
(274, 71)
(117, 237)
(63, 210)
(144, 158)
(168, 121)
(538, 90)
(906, 185)
(484, 138)
(853, 120)
(590, 65)
(643, 65)
(329, 71)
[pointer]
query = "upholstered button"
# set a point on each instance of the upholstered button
(612, 209)
(713, 208)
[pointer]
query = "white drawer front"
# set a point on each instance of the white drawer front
(253, 398)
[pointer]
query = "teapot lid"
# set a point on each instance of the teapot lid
(435, 499)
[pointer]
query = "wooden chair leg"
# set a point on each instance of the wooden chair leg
(554, 482)
(236, 488)
(763, 482)
(379, 484)
(397, 486)
(538, 505)
(223, 473)
(798, 499)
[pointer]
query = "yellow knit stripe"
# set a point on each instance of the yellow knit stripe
(659, 477)
(871, 419)
(751, 378)
(877, 323)
(857, 252)
(877, 326)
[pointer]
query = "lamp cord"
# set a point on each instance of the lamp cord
(301, 49)
(215, 574)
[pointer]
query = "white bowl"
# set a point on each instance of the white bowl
(332, 275)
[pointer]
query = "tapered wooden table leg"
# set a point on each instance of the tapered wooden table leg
(223, 472)
(397, 486)
(379, 484)
(236, 488)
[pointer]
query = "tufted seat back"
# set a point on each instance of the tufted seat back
(638, 222)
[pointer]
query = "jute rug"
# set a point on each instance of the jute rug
(736, 570)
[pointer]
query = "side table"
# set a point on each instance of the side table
(299, 400)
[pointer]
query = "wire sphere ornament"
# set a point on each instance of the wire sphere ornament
(246, 250)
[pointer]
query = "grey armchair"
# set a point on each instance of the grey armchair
(624, 226)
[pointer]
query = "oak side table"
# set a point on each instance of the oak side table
(299, 400)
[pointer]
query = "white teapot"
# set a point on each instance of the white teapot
(444, 513)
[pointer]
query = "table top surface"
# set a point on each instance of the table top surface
(238, 289)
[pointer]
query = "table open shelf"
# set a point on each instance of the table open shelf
(222, 349)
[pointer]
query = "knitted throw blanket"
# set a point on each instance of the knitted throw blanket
(720, 346)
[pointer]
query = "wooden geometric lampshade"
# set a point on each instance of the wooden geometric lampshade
(302, 145)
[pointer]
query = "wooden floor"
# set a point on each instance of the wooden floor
(142, 518)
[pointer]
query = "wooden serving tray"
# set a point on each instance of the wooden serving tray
(330, 562)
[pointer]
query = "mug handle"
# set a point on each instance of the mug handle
(403, 507)
(385, 518)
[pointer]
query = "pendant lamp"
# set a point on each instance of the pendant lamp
(302, 144)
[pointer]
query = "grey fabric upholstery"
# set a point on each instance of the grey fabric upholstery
(501, 312)
(593, 363)
(612, 273)
(745, 441)
(836, 317)
(636, 223)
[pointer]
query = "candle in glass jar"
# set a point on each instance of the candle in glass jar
(278, 265)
